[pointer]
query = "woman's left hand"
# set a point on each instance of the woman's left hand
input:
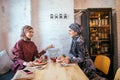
(50, 46)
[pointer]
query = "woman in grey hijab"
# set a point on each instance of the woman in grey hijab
(79, 53)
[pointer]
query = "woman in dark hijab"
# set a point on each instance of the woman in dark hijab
(79, 53)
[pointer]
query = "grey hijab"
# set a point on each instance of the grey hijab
(76, 27)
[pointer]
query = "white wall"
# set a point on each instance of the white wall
(13, 15)
(36, 13)
(52, 31)
(16, 13)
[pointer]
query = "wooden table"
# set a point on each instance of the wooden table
(54, 71)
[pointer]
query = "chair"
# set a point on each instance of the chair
(117, 75)
(102, 63)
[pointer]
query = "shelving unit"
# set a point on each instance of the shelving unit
(98, 30)
(97, 23)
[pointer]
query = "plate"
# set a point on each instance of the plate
(37, 63)
(41, 67)
(59, 61)
(64, 64)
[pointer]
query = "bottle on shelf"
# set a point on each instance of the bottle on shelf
(96, 22)
(106, 21)
(99, 34)
(106, 34)
(103, 22)
(102, 34)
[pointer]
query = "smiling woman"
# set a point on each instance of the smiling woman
(25, 50)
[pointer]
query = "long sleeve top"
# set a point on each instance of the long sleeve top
(78, 51)
(79, 54)
(24, 51)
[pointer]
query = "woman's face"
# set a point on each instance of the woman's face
(29, 34)
(72, 33)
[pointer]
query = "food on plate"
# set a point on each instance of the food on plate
(64, 55)
(40, 61)
(53, 59)
(61, 58)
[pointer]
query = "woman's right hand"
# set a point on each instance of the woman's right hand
(29, 64)
(66, 60)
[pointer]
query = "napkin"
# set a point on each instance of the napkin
(21, 75)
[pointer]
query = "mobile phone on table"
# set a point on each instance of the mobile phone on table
(27, 71)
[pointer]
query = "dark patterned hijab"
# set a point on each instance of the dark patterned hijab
(76, 27)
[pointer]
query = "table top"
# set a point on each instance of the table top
(54, 71)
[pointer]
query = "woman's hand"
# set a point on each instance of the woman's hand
(50, 46)
(29, 64)
(66, 60)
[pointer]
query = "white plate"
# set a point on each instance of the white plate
(64, 64)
